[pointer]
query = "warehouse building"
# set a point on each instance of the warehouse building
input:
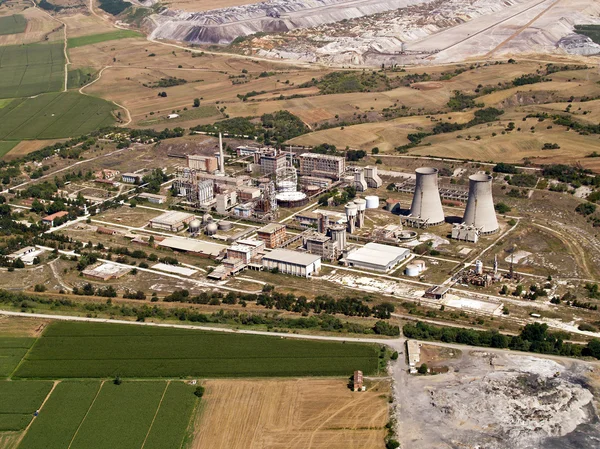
(153, 198)
(377, 257)
(173, 221)
(322, 165)
(192, 246)
(292, 262)
(201, 163)
(272, 234)
(132, 178)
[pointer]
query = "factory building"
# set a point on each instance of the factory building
(246, 193)
(360, 183)
(377, 257)
(480, 210)
(273, 235)
(206, 164)
(322, 165)
(372, 178)
(462, 231)
(225, 201)
(153, 198)
(49, 219)
(271, 161)
(306, 181)
(131, 178)
(173, 221)
(193, 246)
(292, 262)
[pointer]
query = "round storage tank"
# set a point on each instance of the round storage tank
(372, 202)
(194, 225)
(412, 270)
(351, 210)
(211, 228)
(291, 199)
(360, 203)
(224, 225)
(419, 263)
(207, 218)
(312, 190)
(286, 186)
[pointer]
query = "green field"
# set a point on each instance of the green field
(18, 402)
(80, 41)
(12, 349)
(27, 70)
(59, 419)
(79, 350)
(190, 114)
(591, 31)
(53, 116)
(80, 77)
(12, 24)
(5, 147)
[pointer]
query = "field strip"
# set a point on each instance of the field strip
(25, 355)
(54, 384)
(86, 414)
(156, 413)
(114, 102)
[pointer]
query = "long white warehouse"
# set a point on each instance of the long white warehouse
(292, 262)
(377, 257)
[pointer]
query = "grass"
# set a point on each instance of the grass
(19, 401)
(591, 31)
(190, 114)
(120, 416)
(12, 24)
(12, 351)
(27, 70)
(5, 147)
(63, 412)
(80, 77)
(173, 417)
(4, 102)
(81, 41)
(68, 350)
(54, 115)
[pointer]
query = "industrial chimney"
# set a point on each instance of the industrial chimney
(480, 206)
(426, 204)
(221, 156)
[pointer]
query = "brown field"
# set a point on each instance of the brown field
(10, 440)
(21, 327)
(80, 24)
(39, 25)
(289, 414)
(27, 146)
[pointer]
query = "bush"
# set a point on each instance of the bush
(394, 355)
(423, 368)
(199, 391)
(502, 208)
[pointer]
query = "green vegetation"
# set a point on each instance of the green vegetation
(27, 70)
(533, 338)
(169, 428)
(114, 7)
(166, 82)
(80, 77)
(12, 350)
(74, 42)
(345, 82)
(105, 350)
(54, 115)
(461, 101)
(591, 31)
(12, 24)
(62, 414)
(5, 147)
(19, 401)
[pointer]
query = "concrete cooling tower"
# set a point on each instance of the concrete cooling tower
(480, 206)
(426, 204)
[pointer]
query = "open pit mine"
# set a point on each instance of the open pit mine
(375, 32)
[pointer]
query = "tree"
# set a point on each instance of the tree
(502, 208)
(199, 391)
(593, 348)
(375, 150)
(18, 263)
(196, 102)
(117, 381)
(423, 368)
(394, 355)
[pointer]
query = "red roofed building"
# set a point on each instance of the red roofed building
(49, 219)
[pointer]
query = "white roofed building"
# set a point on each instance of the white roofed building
(377, 257)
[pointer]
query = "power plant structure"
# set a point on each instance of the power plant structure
(426, 208)
(372, 178)
(480, 211)
(351, 210)
(361, 205)
(366, 177)
(360, 183)
(287, 186)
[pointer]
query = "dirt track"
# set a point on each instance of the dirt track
(294, 414)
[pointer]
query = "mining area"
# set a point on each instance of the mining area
(496, 400)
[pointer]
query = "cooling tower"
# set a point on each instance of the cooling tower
(426, 204)
(480, 206)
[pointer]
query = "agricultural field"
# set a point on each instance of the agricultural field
(53, 116)
(5, 147)
(19, 401)
(12, 350)
(81, 41)
(33, 69)
(14, 24)
(104, 350)
(39, 27)
(294, 414)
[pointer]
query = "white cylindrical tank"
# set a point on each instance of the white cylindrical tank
(286, 186)
(480, 205)
(478, 267)
(412, 270)
(351, 210)
(206, 218)
(372, 201)
(360, 204)
(224, 225)
(194, 226)
(426, 203)
(211, 228)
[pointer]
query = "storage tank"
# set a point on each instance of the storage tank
(412, 270)
(478, 267)
(372, 201)
(207, 218)
(338, 236)
(286, 186)
(224, 225)
(194, 226)
(351, 212)
(419, 263)
(211, 228)
(361, 206)
(427, 204)
(480, 210)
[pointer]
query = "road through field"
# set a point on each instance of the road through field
(113, 102)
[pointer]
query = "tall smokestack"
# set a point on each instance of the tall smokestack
(221, 156)
(480, 206)
(426, 203)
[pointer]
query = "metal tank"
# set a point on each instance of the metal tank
(224, 225)
(478, 267)
(194, 226)
(427, 204)
(351, 212)
(412, 270)
(372, 201)
(211, 228)
(480, 210)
